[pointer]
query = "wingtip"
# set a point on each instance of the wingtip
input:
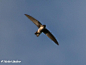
(25, 14)
(57, 43)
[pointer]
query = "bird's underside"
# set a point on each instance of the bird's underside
(42, 28)
(37, 33)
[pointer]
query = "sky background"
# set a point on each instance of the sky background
(66, 19)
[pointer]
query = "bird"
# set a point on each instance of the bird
(42, 28)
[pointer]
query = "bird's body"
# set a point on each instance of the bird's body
(42, 28)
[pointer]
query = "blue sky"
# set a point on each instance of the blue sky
(65, 19)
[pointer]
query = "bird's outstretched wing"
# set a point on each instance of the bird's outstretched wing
(50, 36)
(34, 20)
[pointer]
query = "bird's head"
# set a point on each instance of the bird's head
(44, 26)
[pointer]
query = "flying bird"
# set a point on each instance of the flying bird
(42, 28)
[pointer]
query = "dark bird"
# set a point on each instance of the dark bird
(42, 28)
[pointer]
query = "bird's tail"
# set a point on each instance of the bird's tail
(37, 34)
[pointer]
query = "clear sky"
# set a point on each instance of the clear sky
(66, 19)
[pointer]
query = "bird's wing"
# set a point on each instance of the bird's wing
(34, 20)
(50, 36)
